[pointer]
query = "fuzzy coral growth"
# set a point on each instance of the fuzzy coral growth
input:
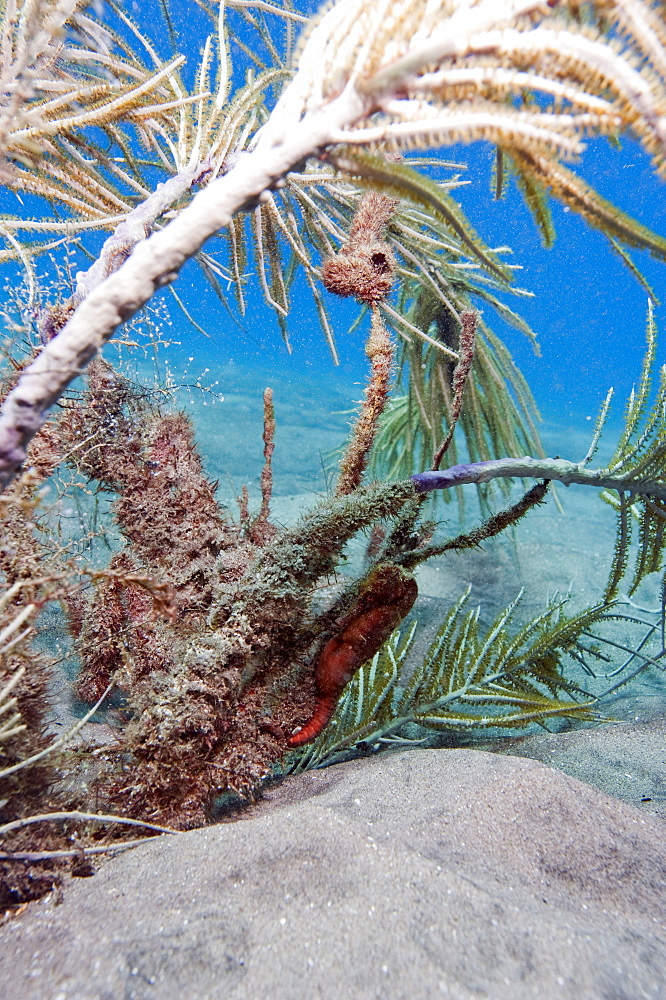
(365, 266)
(380, 350)
(120, 636)
(169, 513)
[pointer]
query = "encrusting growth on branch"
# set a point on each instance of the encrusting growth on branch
(488, 529)
(364, 268)
(380, 350)
(460, 376)
(262, 530)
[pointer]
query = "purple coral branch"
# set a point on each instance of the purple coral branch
(558, 469)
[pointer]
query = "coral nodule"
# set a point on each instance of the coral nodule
(364, 267)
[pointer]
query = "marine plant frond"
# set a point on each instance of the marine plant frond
(88, 204)
(255, 27)
(16, 627)
(101, 195)
(573, 191)
(238, 258)
(136, 35)
(10, 719)
(640, 453)
(635, 437)
(66, 90)
(100, 82)
(65, 226)
(623, 74)
(269, 260)
(536, 198)
(313, 212)
(634, 481)
(472, 676)
(192, 130)
(635, 271)
(269, 8)
(127, 170)
(129, 102)
(62, 72)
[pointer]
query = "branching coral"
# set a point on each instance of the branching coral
(210, 670)
(360, 60)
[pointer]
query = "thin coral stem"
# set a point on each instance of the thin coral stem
(460, 376)
(269, 448)
(381, 352)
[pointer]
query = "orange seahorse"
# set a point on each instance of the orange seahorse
(384, 599)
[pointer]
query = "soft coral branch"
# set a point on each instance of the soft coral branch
(361, 56)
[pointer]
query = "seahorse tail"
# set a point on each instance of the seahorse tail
(321, 716)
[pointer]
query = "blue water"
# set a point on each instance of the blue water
(588, 311)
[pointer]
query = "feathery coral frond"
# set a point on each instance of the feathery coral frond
(470, 677)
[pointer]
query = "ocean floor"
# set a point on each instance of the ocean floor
(422, 874)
